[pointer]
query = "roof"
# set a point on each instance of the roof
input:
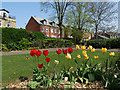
(104, 37)
(39, 21)
(4, 10)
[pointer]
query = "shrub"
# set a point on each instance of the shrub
(15, 35)
(24, 44)
(108, 43)
(52, 43)
(77, 36)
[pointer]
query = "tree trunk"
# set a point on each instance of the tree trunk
(96, 33)
(60, 31)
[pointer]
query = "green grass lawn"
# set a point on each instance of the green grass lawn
(14, 66)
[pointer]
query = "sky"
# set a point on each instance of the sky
(23, 11)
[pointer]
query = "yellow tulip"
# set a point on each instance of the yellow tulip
(112, 54)
(71, 67)
(68, 56)
(56, 62)
(84, 52)
(87, 57)
(83, 47)
(93, 50)
(78, 56)
(77, 47)
(96, 57)
(104, 50)
(90, 47)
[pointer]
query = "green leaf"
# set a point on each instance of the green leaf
(91, 77)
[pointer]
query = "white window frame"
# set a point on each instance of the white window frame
(43, 29)
(55, 31)
(47, 30)
(51, 30)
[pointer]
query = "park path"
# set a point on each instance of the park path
(50, 50)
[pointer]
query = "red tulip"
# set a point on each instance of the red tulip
(47, 59)
(70, 50)
(58, 51)
(33, 52)
(65, 51)
(38, 53)
(40, 65)
(45, 52)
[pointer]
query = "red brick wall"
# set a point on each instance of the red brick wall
(49, 33)
(33, 25)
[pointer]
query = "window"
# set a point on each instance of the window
(59, 31)
(46, 29)
(8, 24)
(4, 14)
(55, 31)
(42, 29)
(0, 23)
(51, 30)
(44, 22)
(53, 36)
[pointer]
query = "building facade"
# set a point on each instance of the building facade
(6, 20)
(47, 27)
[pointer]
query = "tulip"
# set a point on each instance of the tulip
(65, 51)
(70, 50)
(93, 50)
(77, 47)
(56, 61)
(83, 47)
(38, 53)
(87, 57)
(68, 56)
(96, 57)
(71, 68)
(58, 51)
(90, 47)
(104, 50)
(84, 52)
(33, 52)
(47, 59)
(112, 54)
(78, 56)
(40, 65)
(45, 52)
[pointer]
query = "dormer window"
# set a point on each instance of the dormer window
(4, 15)
(44, 22)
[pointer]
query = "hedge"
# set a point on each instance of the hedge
(12, 35)
(52, 43)
(108, 43)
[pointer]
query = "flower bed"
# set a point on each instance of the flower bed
(86, 75)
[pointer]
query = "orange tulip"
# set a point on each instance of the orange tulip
(104, 49)
(90, 47)
(112, 54)
(93, 50)
(83, 47)
(96, 57)
(78, 56)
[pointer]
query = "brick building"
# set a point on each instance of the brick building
(48, 27)
(6, 20)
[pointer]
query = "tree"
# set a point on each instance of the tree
(102, 13)
(59, 8)
(78, 16)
